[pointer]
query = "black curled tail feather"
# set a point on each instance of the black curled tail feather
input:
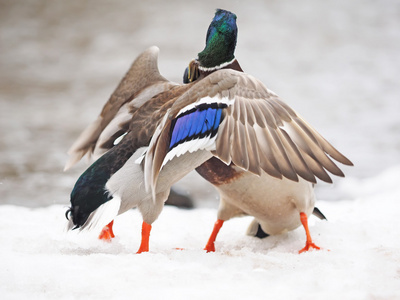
(68, 213)
(69, 216)
(77, 217)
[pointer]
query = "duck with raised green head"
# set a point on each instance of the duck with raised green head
(219, 52)
(127, 119)
(262, 157)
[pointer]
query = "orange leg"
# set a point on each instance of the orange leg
(107, 233)
(144, 245)
(309, 243)
(210, 247)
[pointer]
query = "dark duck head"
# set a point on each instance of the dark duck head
(219, 52)
(88, 194)
(90, 190)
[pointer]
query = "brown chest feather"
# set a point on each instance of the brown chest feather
(216, 172)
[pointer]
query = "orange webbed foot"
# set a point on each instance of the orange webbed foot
(309, 242)
(309, 246)
(210, 247)
(107, 233)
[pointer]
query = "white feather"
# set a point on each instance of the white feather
(205, 143)
(184, 147)
(119, 139)
(204, 69)
(206, 100)
(139, 160)
(103, 215)
(194, 145)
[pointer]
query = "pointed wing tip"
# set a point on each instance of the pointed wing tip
(327, 180)
(311, 179)
(291, 176)
(342, 159)
(71, 162)
(75, 157)
(348, 163)
(154, 49)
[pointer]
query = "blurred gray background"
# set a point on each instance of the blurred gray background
(337, 62)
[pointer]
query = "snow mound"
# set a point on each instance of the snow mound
(360, 256)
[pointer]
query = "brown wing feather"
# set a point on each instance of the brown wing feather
(239, 147)
(296, 159)
(258, 131)
(254, 157)
(266, 151)
(160, 152)
(143, 73)
(268, 133)
(224, 142)
(316, 168)
(211, 86)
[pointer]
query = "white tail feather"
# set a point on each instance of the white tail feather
(103, 215)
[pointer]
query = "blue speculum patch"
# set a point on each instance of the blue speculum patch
(198, 122)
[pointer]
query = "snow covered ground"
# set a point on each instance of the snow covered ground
(360, 257)
(336, 62)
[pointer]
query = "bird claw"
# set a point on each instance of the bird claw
(107, 233)
(308, 247)
(210, 248)
(142, 249)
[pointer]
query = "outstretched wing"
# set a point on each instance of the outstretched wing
(236, 117)
(141, 83)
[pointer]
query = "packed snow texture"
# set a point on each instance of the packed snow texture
(336, 62)
(360, 256)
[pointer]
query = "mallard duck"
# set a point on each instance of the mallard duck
(266, 158)
(126, 124)
(262, 157)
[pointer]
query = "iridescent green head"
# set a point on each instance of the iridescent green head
(220, 41)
